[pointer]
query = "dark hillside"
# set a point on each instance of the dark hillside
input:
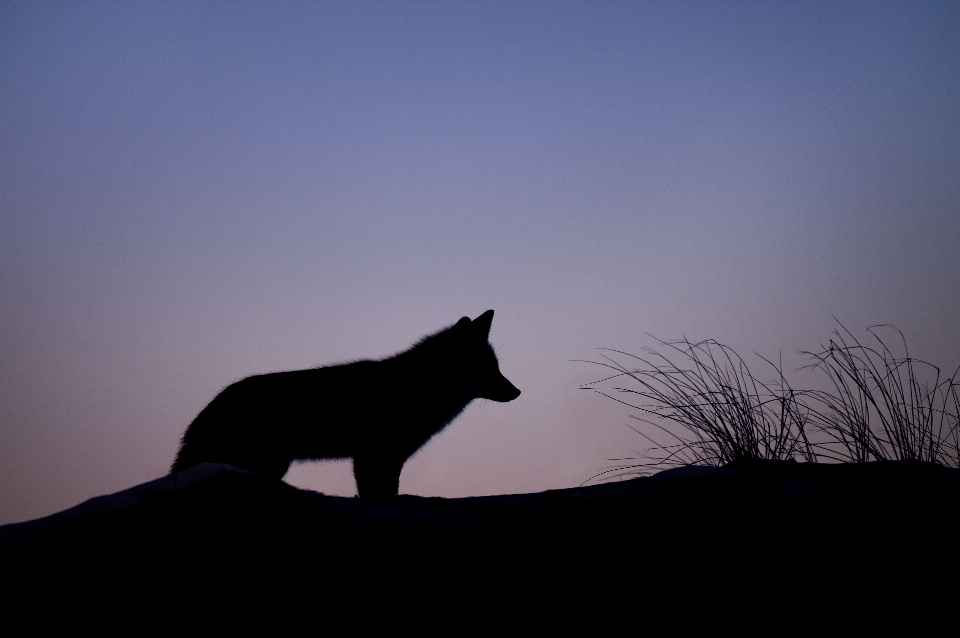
(217, 531)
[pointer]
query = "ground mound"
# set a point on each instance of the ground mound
(217, 530)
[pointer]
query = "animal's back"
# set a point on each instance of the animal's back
(262, 423)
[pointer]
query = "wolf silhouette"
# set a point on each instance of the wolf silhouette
(377, 412)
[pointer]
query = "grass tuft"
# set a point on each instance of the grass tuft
(713, 410)
(884, 406)
(724, 412)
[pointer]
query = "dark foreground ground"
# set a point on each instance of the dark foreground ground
(751, 538)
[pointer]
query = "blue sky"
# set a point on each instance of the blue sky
(194, 192)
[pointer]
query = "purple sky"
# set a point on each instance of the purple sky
(194, 192)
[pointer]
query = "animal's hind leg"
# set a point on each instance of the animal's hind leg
(277, 469)
(270, 467)
(377, 475)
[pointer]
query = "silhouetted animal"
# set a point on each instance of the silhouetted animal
(378, 412)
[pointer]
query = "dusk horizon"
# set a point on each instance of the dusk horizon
(191, 194)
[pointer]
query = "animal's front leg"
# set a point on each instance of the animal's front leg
(377, 475)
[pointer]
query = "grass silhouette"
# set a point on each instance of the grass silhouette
(884, 406)
(713, 410)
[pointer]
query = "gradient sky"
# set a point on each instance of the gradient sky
(194, 192)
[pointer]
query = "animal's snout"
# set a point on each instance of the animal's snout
(500, 389)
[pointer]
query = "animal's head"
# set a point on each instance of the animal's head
(483, 368)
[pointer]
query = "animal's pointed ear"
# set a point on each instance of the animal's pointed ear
(463, 323)
(482, 324)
